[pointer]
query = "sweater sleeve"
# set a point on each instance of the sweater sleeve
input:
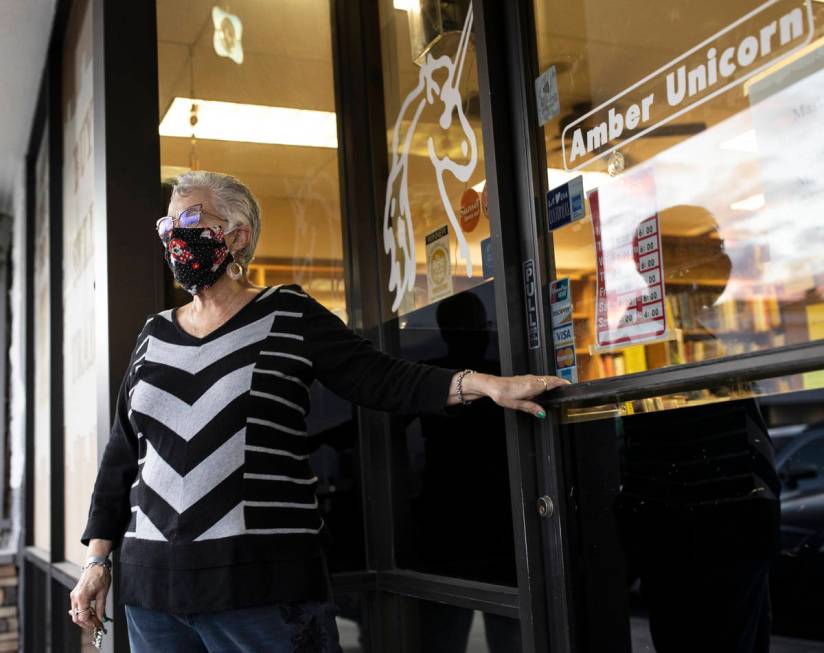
(354, 369)
(110, 510)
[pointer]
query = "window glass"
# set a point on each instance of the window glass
(690, 136)
(709, 509)
(803, 471)
(42, 352)
(435, 226)
(447, 521)
(248, 91)
(262, 100)
(435, 231)
(79, 376)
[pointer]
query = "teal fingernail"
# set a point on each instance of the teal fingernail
(541, 414)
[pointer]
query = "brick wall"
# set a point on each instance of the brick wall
(9, 616)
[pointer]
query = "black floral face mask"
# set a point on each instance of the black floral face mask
(197, 256)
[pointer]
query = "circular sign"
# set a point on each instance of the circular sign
(470, 209)
(438, 266)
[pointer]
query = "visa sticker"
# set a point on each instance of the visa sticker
(563, 336)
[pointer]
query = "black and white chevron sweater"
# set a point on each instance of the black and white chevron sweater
(205, 483)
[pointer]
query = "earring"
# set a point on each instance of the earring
(235, 270)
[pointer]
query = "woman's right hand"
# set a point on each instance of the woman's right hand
(93, 586)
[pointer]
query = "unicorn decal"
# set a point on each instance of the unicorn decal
(398, 227)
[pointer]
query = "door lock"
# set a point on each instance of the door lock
(545, 507)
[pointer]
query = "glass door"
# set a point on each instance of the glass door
(683, 216)
(449, 482)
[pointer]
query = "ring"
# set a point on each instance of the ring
(543, 380)
(77, 611)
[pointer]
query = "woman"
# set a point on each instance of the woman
(205, 482)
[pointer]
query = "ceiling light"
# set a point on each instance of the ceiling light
(228, 33)
(250, 123)
(407, 5)
(752, 203)
(745, 142)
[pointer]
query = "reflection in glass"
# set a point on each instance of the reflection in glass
(450, 475)
(351, 621)
(42, 348)
(429, 627)
(689, 499)
(453, 497)
(333, 426)
(698, 517)
(79, 341)
(797, 580)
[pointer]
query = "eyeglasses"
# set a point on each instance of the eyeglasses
(189, 217)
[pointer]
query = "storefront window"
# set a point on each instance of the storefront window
(441, 300)
(79, 375)
(689, 138)
(249, 91)
(42, 352)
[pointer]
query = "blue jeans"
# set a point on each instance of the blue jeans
(291, 628)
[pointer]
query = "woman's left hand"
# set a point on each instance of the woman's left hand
(511, 391)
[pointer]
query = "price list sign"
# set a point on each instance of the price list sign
(630, 305)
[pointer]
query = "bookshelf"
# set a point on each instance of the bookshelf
(700, 326)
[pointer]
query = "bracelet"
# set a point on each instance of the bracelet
(97, 561)
(461, 376)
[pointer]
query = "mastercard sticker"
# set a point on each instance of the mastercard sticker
(564, 357)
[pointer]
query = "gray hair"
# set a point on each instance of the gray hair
(232, 199)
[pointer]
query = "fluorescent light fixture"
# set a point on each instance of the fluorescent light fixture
(407, 5)
(250, 123)
(745, 142)
(752, 203)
